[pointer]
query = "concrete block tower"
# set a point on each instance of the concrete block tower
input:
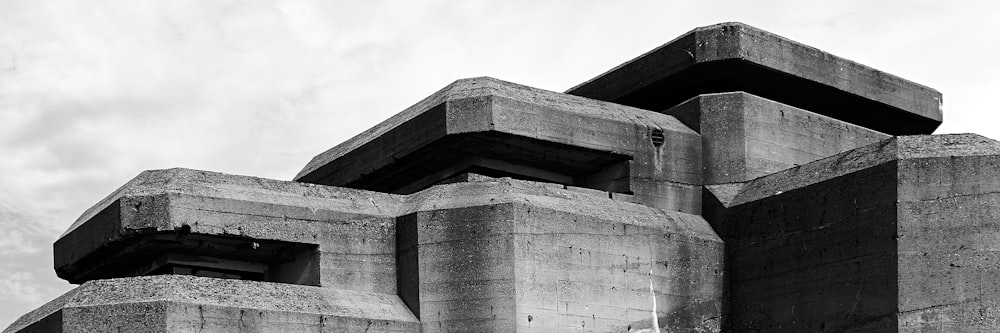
(730, 180)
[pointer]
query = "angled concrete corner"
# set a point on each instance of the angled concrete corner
(736, 57)
(895, 236)
(746, 136)
(260, 229)
(510, 255)
(497, 128)
(178, 303)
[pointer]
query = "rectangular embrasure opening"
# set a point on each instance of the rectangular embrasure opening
(182, 253)
(238, 258)
(500, 155)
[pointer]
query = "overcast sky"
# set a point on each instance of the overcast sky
(93, 92)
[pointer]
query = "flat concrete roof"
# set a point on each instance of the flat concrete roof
(501, 126)
(889, 150)
(733, 56)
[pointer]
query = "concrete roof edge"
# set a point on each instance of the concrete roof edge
(128, 188)
(438, 97)
(818, 171)
(549, 196)
(744, 28)
(946, 145)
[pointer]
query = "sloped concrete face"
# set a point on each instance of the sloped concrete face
(746, 136)
(176, 303)
(502, 129)
(733, 56)
(897, 236)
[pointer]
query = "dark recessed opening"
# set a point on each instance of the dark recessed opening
(183, 253)
(740, 75)
(178, 269)
(500, 155)
(656, 135)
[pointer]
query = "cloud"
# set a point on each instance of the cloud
(26, 281)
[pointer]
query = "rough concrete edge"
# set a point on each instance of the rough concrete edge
(222, 185)
(726, 192)
(184, 289)
(630, 61)
(381, 128)
(237, 293)
(746, 29)
(43, 311)
(946, 145)
(167, 184)
(817, 171)
(688, 112)
(589, 107)
(895, 148)
(487, 87)
(751, 98)
(740, 52)
(556, 197)
(123, 190)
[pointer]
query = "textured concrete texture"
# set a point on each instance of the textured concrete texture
(475, 254)
(178, 303)
(746, 136)
(731, 57)
(508, 255)
(897, 236)
(294, 232)
(760, 189)
(498, 128)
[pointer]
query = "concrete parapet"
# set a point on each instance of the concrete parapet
(497, 128)
(475, 253)
(235, 226)
(736, 57)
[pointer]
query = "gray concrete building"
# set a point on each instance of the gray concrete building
(730, 180)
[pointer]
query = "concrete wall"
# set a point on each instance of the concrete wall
(507, 256)
(949, 244)
(817, 258)
(746, 136)
(897, 236)
(577, 273)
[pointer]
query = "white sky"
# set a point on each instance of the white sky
(93, 92)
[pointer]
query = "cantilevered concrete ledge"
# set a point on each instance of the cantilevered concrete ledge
(463, 256)
(503, 129)
(736, 57)
(237, 227)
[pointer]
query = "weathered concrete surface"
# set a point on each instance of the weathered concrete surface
(509, 255)
(736, 57)
(897, 236)
(351, 233)
(474, 254)
(178, 303)
(497, 128)
(746, 136)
